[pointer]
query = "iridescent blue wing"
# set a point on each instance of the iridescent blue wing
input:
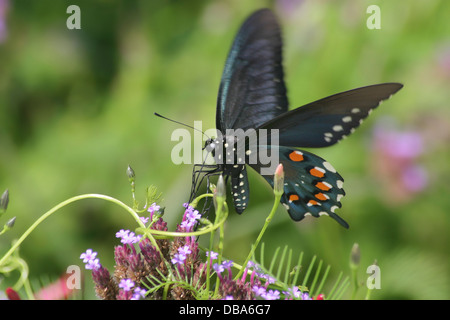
(252, 89)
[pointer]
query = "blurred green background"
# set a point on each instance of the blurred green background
(76, 107)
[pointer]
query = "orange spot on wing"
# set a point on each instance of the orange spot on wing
(296, 156)
(313, 203)
(322, 186)
(317, 172)
(293, 197)
(321, 196)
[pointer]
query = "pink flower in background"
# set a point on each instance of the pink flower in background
(396, 161)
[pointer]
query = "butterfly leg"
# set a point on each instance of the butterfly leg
(199, 173)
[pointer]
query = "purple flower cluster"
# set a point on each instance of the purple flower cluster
(139, 263)
(180, 257)
(89, 258)
(127, 237)
(106, 287)
(127, 286)
(190, 219)
(255, 287)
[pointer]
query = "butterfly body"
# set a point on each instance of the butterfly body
(252, 104)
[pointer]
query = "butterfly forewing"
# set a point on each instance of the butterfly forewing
(252, 89)
(324, 122)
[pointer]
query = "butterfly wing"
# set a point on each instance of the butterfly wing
(311, 185)
(252, 89)
(324, 122)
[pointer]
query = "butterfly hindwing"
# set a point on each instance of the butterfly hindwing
(311, 185)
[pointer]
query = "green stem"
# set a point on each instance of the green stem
(200, 197)
(221, 237)
(59, 206)
(261, 233)
(355, 283)
(369, 291)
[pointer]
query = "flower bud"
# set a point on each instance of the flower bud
(220, 192)
(130, 173)
(278, 181)
(10, 223)
(355, 256)
(12, 294)
(221, 189)
(4, 200)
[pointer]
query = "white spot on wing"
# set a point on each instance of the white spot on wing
(329, 167)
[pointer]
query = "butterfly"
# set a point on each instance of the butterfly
(252, 95)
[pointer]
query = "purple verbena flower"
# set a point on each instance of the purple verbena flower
(93, 264)
(293, 293)
(193, 215)
(272, 295)
(305, 296)
(89, 258)
(269, 279)
(122, 233)
(218, 268)
(178, 258)
(259, 291)
(88, 255)
(153, 208)
(185, 250)
(128, 237)
(227, 264)
(187, 224)
(144, 219)
(212, 255)
(138, 293)
(126, 284)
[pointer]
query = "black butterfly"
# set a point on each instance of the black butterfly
(252, 95)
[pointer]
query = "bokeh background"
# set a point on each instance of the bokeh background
(76, 108)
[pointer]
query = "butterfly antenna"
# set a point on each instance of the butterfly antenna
(183, 124)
